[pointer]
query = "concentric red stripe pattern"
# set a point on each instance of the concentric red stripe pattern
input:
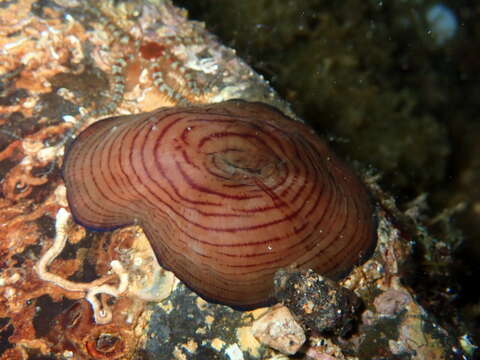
(226, 193)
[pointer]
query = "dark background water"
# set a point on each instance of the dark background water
(397, 94)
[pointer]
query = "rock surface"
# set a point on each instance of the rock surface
(279, 330)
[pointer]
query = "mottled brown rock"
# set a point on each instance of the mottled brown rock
(319, 303)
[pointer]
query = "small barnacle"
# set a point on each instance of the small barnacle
(152, 50)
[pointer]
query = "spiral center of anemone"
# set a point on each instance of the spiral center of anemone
(240, 164)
